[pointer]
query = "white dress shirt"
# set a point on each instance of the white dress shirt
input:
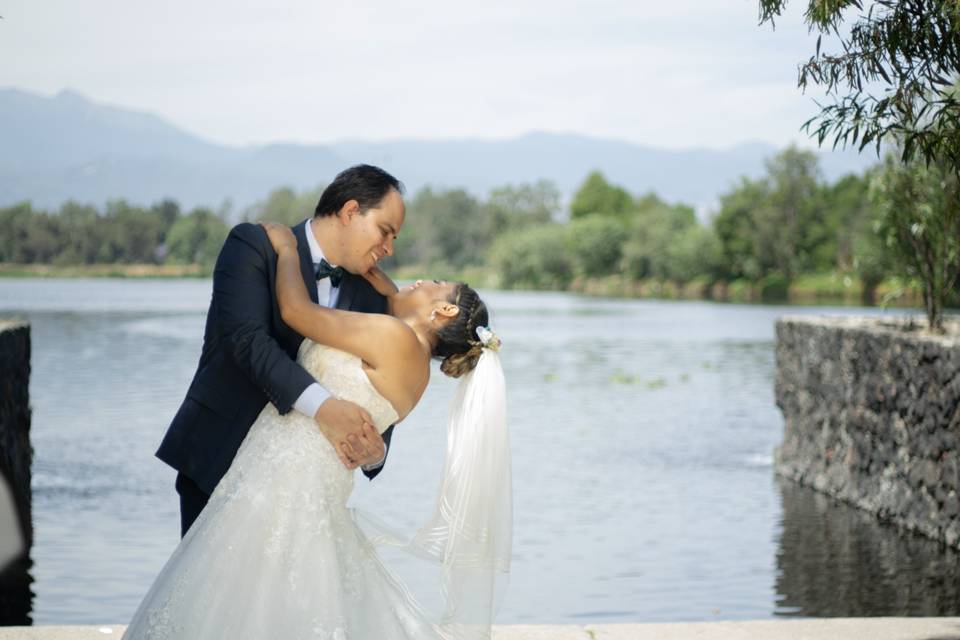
(327, 295)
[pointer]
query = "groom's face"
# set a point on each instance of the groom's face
(369, 236)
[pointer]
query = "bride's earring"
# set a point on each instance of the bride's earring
(433, 315)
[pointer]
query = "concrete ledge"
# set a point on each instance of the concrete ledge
(9, 324)
(817, 629)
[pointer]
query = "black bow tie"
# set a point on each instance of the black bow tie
(325, 270)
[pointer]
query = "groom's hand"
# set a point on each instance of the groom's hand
(350, 430)
(369, 448)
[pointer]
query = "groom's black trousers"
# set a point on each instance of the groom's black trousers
(192, 502)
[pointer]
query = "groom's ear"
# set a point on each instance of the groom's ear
(349, 209)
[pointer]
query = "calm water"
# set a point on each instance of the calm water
(642, 436)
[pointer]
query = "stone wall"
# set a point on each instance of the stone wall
(872, 416)
(15, 450)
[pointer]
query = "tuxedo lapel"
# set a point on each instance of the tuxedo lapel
(306, 260)
(348, 291)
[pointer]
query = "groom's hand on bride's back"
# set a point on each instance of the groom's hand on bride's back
(350, 430)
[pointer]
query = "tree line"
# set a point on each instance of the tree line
(894, 222)
(120, 233)
(767, 231)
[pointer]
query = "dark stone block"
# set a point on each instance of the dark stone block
(16, 456)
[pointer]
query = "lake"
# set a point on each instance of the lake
(642, 434)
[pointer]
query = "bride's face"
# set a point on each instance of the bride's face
(423, 296)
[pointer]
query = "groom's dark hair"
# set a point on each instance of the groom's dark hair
(364, 183)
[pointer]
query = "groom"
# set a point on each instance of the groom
(248, 356)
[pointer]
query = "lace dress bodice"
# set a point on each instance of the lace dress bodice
(342, 374)
(277, 443)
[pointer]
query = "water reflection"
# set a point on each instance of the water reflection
(836, 560)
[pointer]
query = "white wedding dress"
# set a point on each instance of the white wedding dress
(276, 553)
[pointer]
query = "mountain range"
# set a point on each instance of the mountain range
(53, 149)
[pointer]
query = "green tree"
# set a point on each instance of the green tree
(777, 226)
(694, 252)
(734, 226)
(872, 260)
(534, 258)
(167, 212)
(15, 224)
(81, 225)
(596, 244)
(29, 236)
(847, 213)
(649, 201)
(597, 196)
(443, 228)
(856, 239)
(196, 238)
(654, 227)
(511, 208)
(286, 206)
(790, 226)
(136, 233)
(919, 209)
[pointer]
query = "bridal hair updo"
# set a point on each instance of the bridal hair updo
(457, 341)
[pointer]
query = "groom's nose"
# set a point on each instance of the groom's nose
(388, 246)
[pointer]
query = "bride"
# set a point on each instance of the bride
(276, 553)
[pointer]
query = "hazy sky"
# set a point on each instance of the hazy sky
(676, 73)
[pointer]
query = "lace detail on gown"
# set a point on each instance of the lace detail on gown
(276, 553)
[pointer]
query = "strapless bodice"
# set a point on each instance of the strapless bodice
(342, 374)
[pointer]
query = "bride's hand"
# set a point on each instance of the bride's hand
(280, 235)
(381, 281)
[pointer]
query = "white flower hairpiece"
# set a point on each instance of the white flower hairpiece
(488, 338)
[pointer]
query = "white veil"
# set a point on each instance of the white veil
(470, 532)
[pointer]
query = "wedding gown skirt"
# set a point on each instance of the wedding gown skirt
(276, 553)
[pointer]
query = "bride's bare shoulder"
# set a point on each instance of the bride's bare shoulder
(396, 330)
(389, 335)
(401, 369)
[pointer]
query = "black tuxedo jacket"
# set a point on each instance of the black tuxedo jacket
(248, 356)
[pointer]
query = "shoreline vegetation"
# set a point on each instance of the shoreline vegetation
(823, 288)
(813, 289)
(8, 270)
(786, 237)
